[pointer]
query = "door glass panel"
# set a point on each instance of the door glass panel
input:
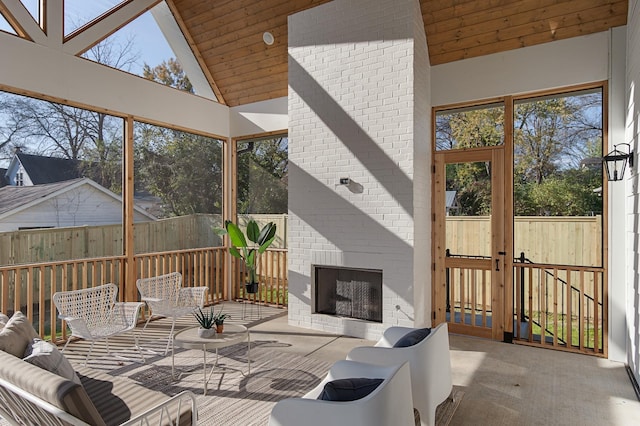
(470, 127)
(468, 209)
(558, 179)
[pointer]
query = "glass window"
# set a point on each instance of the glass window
(470, 127)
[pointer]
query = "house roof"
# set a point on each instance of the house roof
(43, 170)
(16, 198)
(3, 177)
(226, 38)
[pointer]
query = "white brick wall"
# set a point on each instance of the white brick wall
(359, 107)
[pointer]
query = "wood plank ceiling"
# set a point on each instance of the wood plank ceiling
(226, 35)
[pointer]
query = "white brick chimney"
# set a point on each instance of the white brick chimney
(359, 108)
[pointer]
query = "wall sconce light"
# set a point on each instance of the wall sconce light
(268, 38)
(615, 162)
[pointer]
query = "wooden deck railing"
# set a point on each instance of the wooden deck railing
(560, 306)
(30, 287)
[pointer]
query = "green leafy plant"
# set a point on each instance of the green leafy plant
(205, 319)
(261, 239)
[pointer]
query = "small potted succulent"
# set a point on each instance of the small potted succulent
(218, 320)
(206, 321)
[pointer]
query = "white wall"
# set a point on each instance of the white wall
(551, 65)
(259, 117)
(632, 136)
(354, 102)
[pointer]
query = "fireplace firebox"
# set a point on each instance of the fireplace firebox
(348, 292)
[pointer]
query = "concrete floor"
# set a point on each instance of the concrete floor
(503, 384)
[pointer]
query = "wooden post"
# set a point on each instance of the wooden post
(127, 286)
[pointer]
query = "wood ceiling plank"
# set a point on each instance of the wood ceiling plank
(564, 32)
(594, 9)
(431, 15)
(268, 66)
(243, 39)
(548, 26)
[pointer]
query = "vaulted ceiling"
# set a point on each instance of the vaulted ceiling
(226, 35)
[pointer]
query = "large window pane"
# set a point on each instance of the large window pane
(179, 177)
(471, 127)
(558, 179)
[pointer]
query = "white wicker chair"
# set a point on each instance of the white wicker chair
(94, 314)
(166, 297)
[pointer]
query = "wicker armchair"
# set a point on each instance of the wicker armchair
(166, 297)
(94, 314)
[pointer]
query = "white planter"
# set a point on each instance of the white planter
(206, 333)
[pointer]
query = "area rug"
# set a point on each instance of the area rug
(233, 396)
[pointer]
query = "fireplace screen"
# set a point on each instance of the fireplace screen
(348, 292)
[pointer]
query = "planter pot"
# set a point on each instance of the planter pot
(251, 287)
(206, 333)
(219, 328)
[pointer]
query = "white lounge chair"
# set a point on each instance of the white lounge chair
(388, 404)
(166, 297)
(93, 314)
(429, 361)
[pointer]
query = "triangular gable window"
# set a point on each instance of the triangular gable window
(5, 26)
(78, 13)
(144, 42)
(33, 6)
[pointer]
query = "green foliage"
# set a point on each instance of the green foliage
(261, 239)
(183, 169)
(219, 318)
(205, 319)
(262, 176)
(169, 73)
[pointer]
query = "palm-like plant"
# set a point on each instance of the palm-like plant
(261, 239)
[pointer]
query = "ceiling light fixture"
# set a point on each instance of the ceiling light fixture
(268, 39)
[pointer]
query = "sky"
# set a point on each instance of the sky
(149, 40)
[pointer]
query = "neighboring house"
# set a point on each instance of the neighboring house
(451, 202)
(29, 169)
(70, 203)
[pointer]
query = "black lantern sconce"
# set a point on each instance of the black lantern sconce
(615, 162)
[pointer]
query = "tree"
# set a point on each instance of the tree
(183, 169)
(262, 176)
(169, 73)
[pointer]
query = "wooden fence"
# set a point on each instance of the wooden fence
(549, 240)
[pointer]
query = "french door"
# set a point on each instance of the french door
(472, 259)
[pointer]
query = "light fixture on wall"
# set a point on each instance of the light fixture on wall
(268, 38)
(615, 162)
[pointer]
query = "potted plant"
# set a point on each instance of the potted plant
(206, 321)
(218, 320)
(261, 239)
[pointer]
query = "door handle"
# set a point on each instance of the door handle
(497, 264)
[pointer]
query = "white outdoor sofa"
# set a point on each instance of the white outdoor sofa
(31, 395)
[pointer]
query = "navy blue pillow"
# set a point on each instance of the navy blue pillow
(412, 337)
(348, 389)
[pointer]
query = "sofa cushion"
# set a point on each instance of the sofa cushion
(16, 335)
(57, 391)
(412, 338)
(349, 389)
(46, 355)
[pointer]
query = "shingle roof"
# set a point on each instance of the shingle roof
(3, 177)
(12, 197)
(44, 170)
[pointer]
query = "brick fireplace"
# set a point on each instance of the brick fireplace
(359, 158)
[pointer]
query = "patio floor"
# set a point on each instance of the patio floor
(503, 384)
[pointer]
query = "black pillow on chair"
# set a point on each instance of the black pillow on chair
(348, 389)
(412, 337)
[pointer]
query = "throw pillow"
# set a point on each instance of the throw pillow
(349, 389)
(47, 356)
(412, 337)
(17, 334)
